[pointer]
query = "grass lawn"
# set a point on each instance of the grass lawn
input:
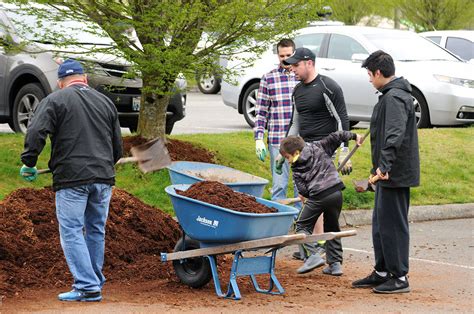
(446, 167)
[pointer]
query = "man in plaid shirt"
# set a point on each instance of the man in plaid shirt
(274, 109)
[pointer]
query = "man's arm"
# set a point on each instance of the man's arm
(41, 125)
(117, 140)
(395, 126)
(262, 109)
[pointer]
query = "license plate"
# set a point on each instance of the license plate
(136, 103)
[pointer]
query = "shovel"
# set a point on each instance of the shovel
(150, 156)
(343, 163)
(367, 185)
(288, 201)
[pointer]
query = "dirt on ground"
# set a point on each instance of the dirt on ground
(31, 255)
(179, 150)
(219, 194)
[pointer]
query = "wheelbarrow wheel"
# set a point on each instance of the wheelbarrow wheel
(194, 272)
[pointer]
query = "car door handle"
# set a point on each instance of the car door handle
(328, 69)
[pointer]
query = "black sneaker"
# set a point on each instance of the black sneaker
(394, 285)
(297, 255)
(371, 280)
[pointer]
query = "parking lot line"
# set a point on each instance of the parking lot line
(416, 259)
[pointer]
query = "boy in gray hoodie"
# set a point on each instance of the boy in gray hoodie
(317, 180)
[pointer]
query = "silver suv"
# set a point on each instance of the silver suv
(26, 78)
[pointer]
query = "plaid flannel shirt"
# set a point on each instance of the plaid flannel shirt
(274, 107)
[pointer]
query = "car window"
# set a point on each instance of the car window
(310, 41)
(436, 39)
(408, 46)
(343, 47)
(461, 47)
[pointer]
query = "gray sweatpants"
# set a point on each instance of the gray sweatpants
(331, 206)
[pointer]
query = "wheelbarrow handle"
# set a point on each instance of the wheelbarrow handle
(343, 163)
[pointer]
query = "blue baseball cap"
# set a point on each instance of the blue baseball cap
(70, 67)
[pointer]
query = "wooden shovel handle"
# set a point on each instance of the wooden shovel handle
(343, 163)
(374, 179)
(288, 201)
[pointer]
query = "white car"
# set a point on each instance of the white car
(442, 83)
(461, 42)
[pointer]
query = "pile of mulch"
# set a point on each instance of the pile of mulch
(219, 194)
(31, 255)
(179, 150)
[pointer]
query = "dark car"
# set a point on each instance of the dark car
(27, 77)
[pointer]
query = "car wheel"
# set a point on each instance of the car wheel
(249, 103)
(421, 110)
(194, 272)
(24, 105)
(208, 84)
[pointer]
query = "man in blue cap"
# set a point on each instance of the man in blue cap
(86, 143)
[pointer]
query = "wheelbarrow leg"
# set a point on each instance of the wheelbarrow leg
(273, 279)
(233, 291)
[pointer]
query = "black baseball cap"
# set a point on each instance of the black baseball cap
(300, 54)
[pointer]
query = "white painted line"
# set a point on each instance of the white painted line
(414, 259)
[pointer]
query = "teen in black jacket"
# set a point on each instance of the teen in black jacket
(395, 159)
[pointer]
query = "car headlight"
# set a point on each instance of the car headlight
(455, 80)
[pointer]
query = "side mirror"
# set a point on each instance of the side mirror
(359, 57)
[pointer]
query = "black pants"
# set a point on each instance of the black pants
(331, 206)
(390, 234)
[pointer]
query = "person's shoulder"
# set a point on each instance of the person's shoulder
(329, 82)
(298, 85)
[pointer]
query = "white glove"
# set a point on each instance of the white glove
(347, 169)
(260, 149)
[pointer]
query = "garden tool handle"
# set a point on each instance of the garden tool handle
(125, 160)
(374, 179)
(343, 163)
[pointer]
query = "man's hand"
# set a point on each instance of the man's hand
(279, 161)
(359, 140)
(382, 176)
(347, 169)
(260, 149)
(28, 173)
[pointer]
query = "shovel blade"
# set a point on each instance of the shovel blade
(363, 186)
(152, 155)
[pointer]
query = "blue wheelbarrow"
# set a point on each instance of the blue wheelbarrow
(189, 172)
(210, 230)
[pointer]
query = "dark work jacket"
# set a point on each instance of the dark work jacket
(394, 136)
(85, 137)
(314, 172)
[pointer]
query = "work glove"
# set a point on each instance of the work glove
(28, 173)
(260, 149)
(279, 161)
(347, 169)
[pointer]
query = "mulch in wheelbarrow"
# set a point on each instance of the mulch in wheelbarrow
(31, 255)
(219, 194)
(179, 150)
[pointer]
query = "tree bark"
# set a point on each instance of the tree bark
(152, 121)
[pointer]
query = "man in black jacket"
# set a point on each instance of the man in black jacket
(86, 143)
(395, 159)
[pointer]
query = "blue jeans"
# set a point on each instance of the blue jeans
(280, 182)
(82, 213)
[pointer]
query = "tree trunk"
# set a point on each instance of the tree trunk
(152, 121)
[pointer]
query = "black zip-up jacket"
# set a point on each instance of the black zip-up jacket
(394, 136)
(314, 172)
(85, 137)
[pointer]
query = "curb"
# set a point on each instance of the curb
(361, 217)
